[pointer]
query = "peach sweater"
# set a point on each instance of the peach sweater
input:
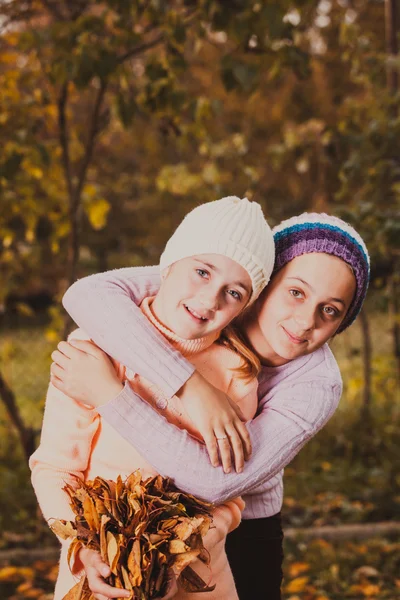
(77, 444)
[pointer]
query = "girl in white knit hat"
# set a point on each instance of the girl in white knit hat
(214, 266)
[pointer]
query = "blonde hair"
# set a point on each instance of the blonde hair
(232, 338)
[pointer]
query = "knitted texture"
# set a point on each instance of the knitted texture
(233, 227)
(319, 232)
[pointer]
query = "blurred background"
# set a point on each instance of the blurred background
(118, 117)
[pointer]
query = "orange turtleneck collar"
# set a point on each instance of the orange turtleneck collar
(185, 347)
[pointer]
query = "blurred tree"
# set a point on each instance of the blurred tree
(79, 72)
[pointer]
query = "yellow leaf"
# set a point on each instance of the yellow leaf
(297, 585)
(369, 589)
(297, 568)
(97, 211)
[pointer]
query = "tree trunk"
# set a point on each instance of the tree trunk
(367, 364)
(391, 16)
(394, 316)
(26, 434)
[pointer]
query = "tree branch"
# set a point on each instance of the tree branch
(141, 48)
(190, 17)
(26, 434)
(64, 138)
(93, 130)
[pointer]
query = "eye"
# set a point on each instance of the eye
(295, 293)
(235, 294)
(330, 311)
(202, 272)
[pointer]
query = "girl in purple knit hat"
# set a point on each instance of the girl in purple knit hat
(319, 283)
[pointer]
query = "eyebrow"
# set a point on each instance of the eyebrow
(339, 300)
(214, 268)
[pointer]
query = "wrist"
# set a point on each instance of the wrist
(109, 393)
(193, 385)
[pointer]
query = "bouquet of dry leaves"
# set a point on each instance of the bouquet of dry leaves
(142, 529)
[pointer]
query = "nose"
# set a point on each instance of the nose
(305, 318)
(209, 299)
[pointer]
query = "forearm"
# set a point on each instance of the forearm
(106, 307)
(277, 434)
(63, 453)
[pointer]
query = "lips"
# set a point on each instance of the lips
(294, 338)
(195, 314)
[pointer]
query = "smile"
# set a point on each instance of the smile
(293, 338)
(195, 314)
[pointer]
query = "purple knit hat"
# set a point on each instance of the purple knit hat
(319, 232)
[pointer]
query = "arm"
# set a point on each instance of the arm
(62, 456)
(63, 453)
(287, 421)
(105, 306)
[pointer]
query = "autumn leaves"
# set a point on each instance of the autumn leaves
(143, 529)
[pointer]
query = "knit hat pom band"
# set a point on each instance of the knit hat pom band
(319, 232)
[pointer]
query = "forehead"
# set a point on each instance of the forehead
(325, 273)
(315, 262)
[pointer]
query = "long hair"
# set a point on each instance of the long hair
(232, 338)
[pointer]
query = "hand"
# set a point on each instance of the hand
(84, 372)
(219, 421)
(96, 570)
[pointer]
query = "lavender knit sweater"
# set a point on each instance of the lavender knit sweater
(295, 400)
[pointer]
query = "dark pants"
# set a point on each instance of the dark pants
(255, 555)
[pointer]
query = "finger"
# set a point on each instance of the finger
(245, 436)
(68, 350)
(98, 586)
(60, 358)
(87, 347)
(236, 445)
(212, 448)
(57, 382)
(224, 448)
(56, 370)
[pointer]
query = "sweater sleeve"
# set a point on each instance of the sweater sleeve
(63, 453)
(284, 425)
(105, 305)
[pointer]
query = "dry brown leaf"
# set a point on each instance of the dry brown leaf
(192, 582)
(113, 551)
(63, 529)
(134, 564)
(90, 514)
(177, 547)
(181, 561)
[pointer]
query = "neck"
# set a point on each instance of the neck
(186, 347)
(258, 344)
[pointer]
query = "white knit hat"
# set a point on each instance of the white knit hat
(233, 227)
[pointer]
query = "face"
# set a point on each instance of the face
(301, 308)
(200, 295)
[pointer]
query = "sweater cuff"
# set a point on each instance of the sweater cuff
(175, 382)
(110, 406)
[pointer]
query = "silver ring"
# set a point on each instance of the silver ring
(225, 437)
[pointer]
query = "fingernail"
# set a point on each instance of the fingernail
(240, 469)
(227, 470)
